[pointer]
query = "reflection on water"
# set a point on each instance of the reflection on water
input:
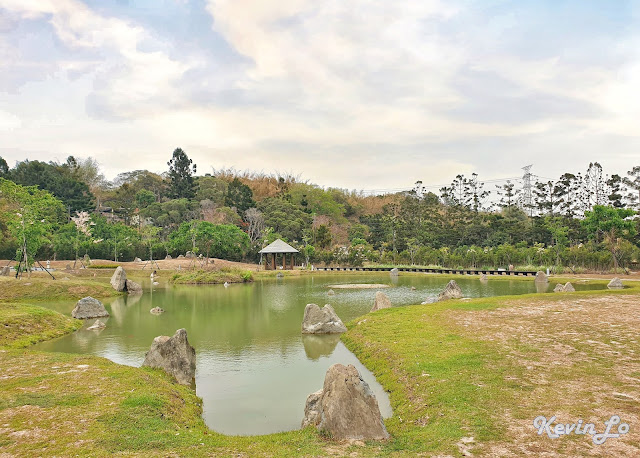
(254, 369)
(316, 346)
(542, 287)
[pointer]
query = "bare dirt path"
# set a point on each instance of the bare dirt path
(577, 358)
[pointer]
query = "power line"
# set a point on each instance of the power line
(434, 186)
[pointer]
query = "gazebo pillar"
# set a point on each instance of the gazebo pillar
(275, 248)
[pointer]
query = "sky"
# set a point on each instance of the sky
(357, 95)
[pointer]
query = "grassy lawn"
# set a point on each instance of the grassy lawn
(464, 377)
(55, 404)
(201, 277)
(472, 375)
(22, 325)
(40, 288)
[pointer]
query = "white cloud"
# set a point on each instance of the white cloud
(620, 95)
(331, 51)
(9, 121)
(129, 82)
(370, 71)
(392, 91)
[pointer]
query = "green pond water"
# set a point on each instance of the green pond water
(254, 369)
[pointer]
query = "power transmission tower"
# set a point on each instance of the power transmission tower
(527, 197)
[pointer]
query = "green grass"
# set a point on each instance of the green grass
(444, 383)
(197, 277)
(22, 325)
(46, 289)
(439, 381)
(114, 409)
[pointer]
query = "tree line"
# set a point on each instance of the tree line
(582, 220)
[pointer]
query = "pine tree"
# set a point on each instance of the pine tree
(594, 186)
(508, 194)
(239, 196)
(4, 167)
(632, 180)
(475, 193)
(181, 170)
(615, 189)
(567, 195)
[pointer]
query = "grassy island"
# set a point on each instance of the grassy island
(202, 277)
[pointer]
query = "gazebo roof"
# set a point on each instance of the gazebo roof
(279, 247)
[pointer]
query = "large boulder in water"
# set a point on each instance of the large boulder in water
(615, 283)
(345, 408)
(451, 291)
(174, 355)
(323, 320)
(88, 307)
(394, 272)
(381, 301)
(541, 277)
(133, 287)
(120, 283)
(119, 280)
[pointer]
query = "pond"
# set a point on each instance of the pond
(254, 369)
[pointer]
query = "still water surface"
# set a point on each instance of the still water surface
(254, 369)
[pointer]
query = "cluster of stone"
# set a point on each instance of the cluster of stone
(120, 283)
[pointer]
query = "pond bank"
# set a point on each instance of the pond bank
(449, 372)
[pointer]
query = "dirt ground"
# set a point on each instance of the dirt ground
(577, 358)
(169, 264)
(633, 276)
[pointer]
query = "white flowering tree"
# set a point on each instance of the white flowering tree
(83, 224)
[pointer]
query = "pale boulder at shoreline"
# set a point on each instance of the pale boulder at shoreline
(88, 307)
(346, 408)
(323, 320)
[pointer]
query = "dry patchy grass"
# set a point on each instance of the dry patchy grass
(578, 357)
(40, 288)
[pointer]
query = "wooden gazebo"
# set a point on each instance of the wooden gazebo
(278, 247)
